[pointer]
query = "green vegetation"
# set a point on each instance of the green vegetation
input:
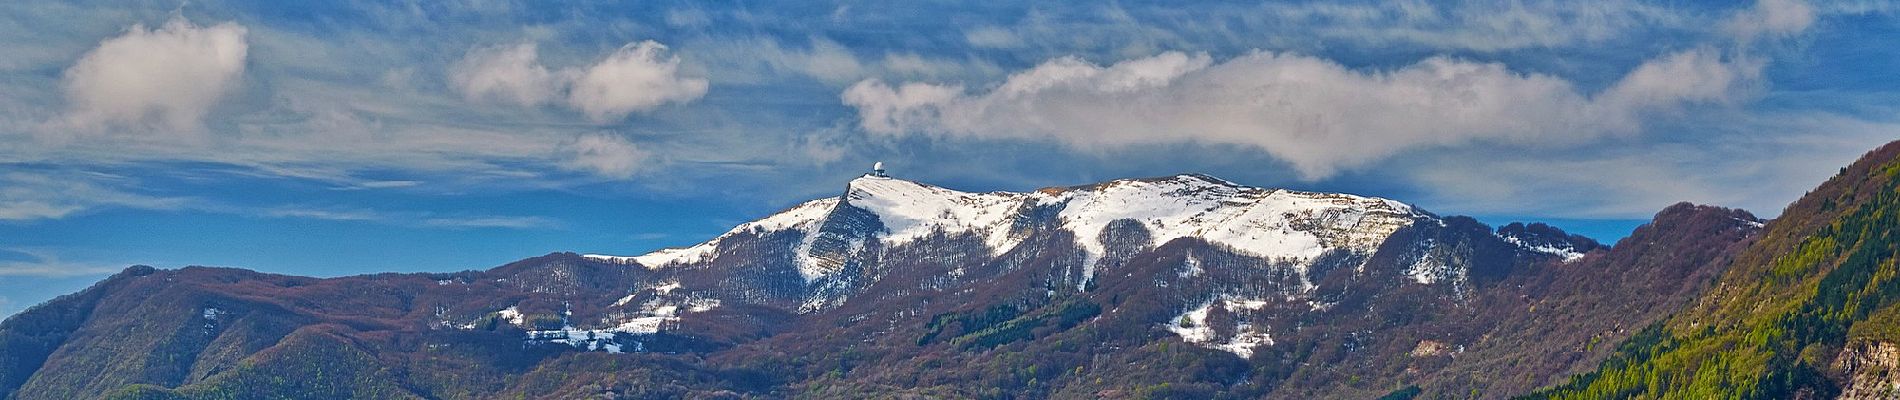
(1002, 324)
(1770, 335)
(306, 365)
(1406, 393)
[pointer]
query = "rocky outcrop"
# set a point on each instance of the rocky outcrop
(1871, 370)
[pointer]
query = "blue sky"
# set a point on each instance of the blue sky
(346, 137)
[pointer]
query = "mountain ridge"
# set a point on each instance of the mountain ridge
(827, 299)
(1803, 313)
(907, 210)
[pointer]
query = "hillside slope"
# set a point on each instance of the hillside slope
(1808, 311)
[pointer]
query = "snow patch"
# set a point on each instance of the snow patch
(1193, 328)
(1192, 267)
(1566, 253)
(513, 316)
(211, 315)
(650, 319)
(655, 314)
(701, 305)
(661, 290)
(1278, 224)
(584, 339)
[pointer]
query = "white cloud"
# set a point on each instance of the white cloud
(1770, 18)
(324, 214)
(638, 77)
(751, 60)
(992, 37)
(821, 147)
(45, 264)
(748, 61)
(606, 155)
(1699, 75)
(1482, 26)
(45, 195)
(168, 77)
(493, 222)
(687, 18)
(33, 195)
(427, 219)
(512, 74)
(1316, 114)
(1759, 162)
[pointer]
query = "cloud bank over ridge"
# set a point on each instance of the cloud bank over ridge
(1318, 115)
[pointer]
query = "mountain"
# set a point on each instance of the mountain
(837, 247)
(1175, 287)
(1810, 310)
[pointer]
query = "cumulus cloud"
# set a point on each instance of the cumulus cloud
(166, 77)
(1315, 114)
(605, 155)
(637, 77)
(1700, 75)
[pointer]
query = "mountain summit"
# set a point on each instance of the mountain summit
(1179, 286)
(878, 216)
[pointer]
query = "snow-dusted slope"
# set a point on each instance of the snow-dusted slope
(911, 210)
(804, 217)
(1277, 224)
(1270, 223)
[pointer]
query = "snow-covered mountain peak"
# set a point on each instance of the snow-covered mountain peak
(1279, 224)
(911, 210)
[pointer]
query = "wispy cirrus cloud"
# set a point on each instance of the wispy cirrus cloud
(1770, 17)
(27, 195)
(1732, 158)
(43, 263)
(31, 194)
(425, 219)
(493, 222)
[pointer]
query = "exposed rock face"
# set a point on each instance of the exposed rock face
(1871, 369)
